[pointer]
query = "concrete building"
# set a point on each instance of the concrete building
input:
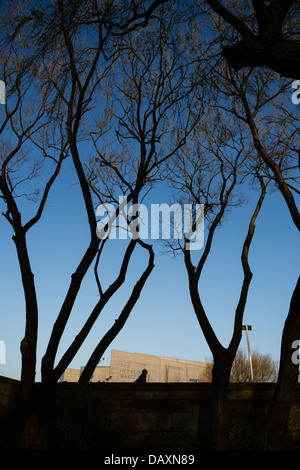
(126, 367)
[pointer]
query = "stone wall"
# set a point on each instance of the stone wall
(9, 399)
(9, 391)
(152, 417)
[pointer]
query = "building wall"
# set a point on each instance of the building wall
(126, 367)
(101, 374)
(71, 375)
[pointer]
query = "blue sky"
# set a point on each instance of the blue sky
(163, 321)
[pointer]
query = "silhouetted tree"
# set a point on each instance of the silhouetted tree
(210, 171)
(33, 148)
(259, 101)
(72, 48)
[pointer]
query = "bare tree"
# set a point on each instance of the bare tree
(29, 132)
(152, 99)
(210, 171)
(83, 69)
(75, 49)
(275, 136)
(264, 368)
(279, 150)
(255, 100)
(260, 101)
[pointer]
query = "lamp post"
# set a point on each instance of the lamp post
(247, 328)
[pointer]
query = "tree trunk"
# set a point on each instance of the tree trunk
(266, 46)
(37, 430)
(117, 326)
(219, 404)
(277, 430)
(28, 344)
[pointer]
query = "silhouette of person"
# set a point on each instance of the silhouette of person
(142, 377)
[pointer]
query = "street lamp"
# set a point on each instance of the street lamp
(247, 328)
